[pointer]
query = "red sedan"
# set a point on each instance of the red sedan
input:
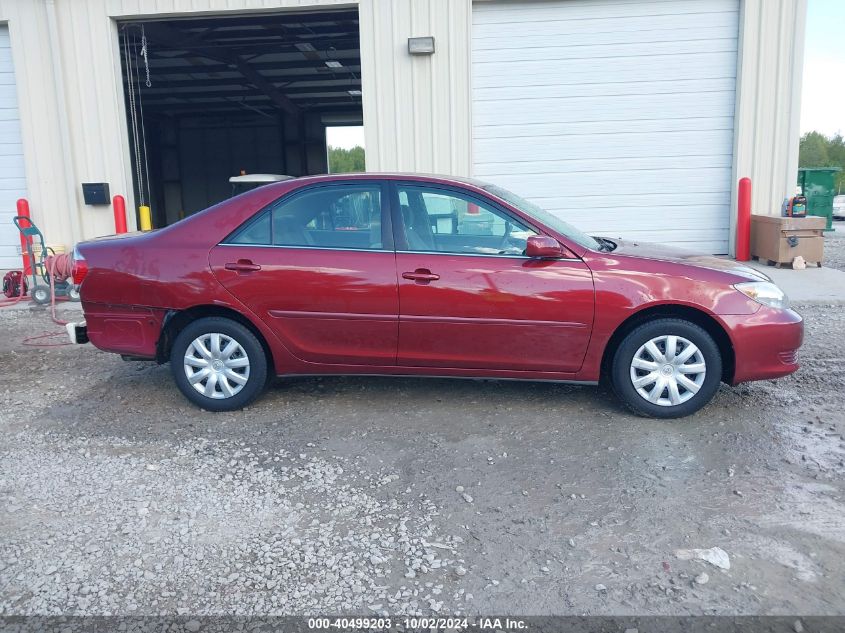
(417, 275)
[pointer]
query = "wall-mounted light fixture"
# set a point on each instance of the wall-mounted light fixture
(421, 45)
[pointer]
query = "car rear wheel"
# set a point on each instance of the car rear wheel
(218, 364)
(667, 368)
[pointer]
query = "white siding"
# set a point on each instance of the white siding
(416, 108)
(417, 113)
(617, 116)
(72, 112)
(12, 175)
(769, 101)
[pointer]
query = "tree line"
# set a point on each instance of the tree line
(343, 161)
(818, 150)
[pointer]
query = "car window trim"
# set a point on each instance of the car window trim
(310, 247)
(452, 254)
(400, 240)
(386, 220)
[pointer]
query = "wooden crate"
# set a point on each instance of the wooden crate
(778, 240)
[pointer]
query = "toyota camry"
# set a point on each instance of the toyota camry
(397, 274)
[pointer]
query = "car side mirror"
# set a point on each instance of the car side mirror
(543, 247)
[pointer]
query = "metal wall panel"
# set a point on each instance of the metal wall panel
(616, 116)
(416, 110)
(768, 103)
(12, 176)
(72, 110)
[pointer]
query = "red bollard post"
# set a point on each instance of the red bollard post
(119, 204)
(23, 209)
(743, 221)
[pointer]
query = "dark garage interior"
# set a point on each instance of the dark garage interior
(211, 98)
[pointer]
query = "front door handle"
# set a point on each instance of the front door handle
(421, 276)
(243, 266)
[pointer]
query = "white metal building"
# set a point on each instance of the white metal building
(630, 118)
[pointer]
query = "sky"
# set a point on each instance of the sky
(347, 136)
(823, 94)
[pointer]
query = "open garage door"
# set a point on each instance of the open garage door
(210, 98)
(617, 116)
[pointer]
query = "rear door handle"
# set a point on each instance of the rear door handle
(243, 266)
(421, 275)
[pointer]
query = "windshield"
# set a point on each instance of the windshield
(552, 221)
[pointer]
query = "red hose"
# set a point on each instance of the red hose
(10, 301)
(59, 268)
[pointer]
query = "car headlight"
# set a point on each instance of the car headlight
(764, 292)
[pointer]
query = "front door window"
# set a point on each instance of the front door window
(441, 221)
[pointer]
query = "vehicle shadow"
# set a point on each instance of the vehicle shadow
(138, 401)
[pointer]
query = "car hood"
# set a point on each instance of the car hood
(680, 256)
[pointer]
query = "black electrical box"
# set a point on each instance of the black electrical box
(95, 192)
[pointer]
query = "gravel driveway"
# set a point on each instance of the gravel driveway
(378, 495)
(834, 246)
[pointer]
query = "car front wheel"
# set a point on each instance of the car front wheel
(666, 368)
(218, 364)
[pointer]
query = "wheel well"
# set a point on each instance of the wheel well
(177, 320)
(702, 319)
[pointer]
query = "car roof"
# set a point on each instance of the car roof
(230, 213)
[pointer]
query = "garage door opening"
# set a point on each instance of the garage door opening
(212, 98)
(345, 148)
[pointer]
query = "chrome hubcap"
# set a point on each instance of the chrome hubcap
(216, 365)
(668, 370)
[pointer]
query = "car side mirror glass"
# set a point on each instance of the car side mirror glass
(543, 247)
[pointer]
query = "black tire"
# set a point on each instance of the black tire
(256, 379)
(620, 372)
(41, 295)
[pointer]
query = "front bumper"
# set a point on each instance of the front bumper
(765, 343)
(78, 332)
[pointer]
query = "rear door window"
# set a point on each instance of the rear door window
(335, 216)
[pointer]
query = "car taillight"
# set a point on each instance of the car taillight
(80, 267)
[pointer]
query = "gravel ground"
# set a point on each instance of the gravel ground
(370, 495)
(834, 246)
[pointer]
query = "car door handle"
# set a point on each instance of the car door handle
(421, 275)
(243, 266)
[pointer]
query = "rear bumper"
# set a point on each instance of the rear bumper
(129, 330)
(765, 344)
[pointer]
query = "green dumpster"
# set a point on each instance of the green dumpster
(817, 186)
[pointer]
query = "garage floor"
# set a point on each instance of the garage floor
(342, 494)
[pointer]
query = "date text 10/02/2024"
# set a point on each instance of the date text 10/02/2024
(454, 624)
